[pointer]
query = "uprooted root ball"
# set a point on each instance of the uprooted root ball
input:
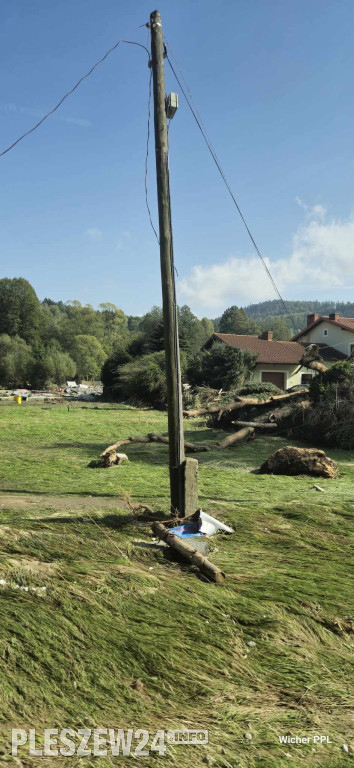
(299, 461)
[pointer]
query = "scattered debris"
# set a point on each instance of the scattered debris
(210, 525)
(194, 536)
(299, 461)
(248, 736)
(318, 488)
(251, 644)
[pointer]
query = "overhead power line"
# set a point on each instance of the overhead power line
(51, 111)
(212, 151)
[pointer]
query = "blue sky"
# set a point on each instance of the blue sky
(273, 80)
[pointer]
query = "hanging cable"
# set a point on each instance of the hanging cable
(147, 159)
(51, 111)
(222, 174)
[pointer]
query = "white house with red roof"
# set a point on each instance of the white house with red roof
(328, 331)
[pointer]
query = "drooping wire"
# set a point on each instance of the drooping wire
(222, 174)
(54, 109)
(147, 160)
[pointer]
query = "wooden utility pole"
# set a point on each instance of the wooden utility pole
(173, 372)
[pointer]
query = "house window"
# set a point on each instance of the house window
(306, 378)
(325, 332)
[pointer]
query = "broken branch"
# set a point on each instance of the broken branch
(188, 553)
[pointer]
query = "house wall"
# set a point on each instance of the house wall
(336, 337)
(292, 373)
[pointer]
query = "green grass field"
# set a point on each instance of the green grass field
(125, 636)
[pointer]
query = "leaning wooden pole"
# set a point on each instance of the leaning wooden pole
(173, 372)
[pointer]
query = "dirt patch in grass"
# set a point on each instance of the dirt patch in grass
(41, 502)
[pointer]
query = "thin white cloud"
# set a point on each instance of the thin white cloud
(317, 211)
(80, 121)
(94, 233)
(322, 256)
(15, 108)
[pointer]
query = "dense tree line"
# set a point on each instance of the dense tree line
(48, 342)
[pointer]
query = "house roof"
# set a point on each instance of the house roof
(329, 354)
(272, 352)
(285, 352)
(346, 323)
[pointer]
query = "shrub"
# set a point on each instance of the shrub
(221, 367)
(143, 380)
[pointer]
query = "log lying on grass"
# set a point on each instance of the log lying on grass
(110, 458)
(152, 438)
(236, 437)
(188, 553)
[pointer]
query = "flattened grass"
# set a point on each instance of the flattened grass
(116, 611)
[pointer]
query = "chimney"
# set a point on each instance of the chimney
(334, 316)
(311, 319)
(266, 335)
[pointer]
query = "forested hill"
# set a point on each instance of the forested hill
(298, 310)
(275, 308)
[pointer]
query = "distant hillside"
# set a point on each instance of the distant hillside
(265, 313)
(265, 308)
(298, 310)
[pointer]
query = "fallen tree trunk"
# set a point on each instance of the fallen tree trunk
(235, 437)
(316, 365)
(244, 403)
(188, 553)
(256, 424)
(312, 359)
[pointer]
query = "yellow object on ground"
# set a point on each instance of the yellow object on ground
(18, 399)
